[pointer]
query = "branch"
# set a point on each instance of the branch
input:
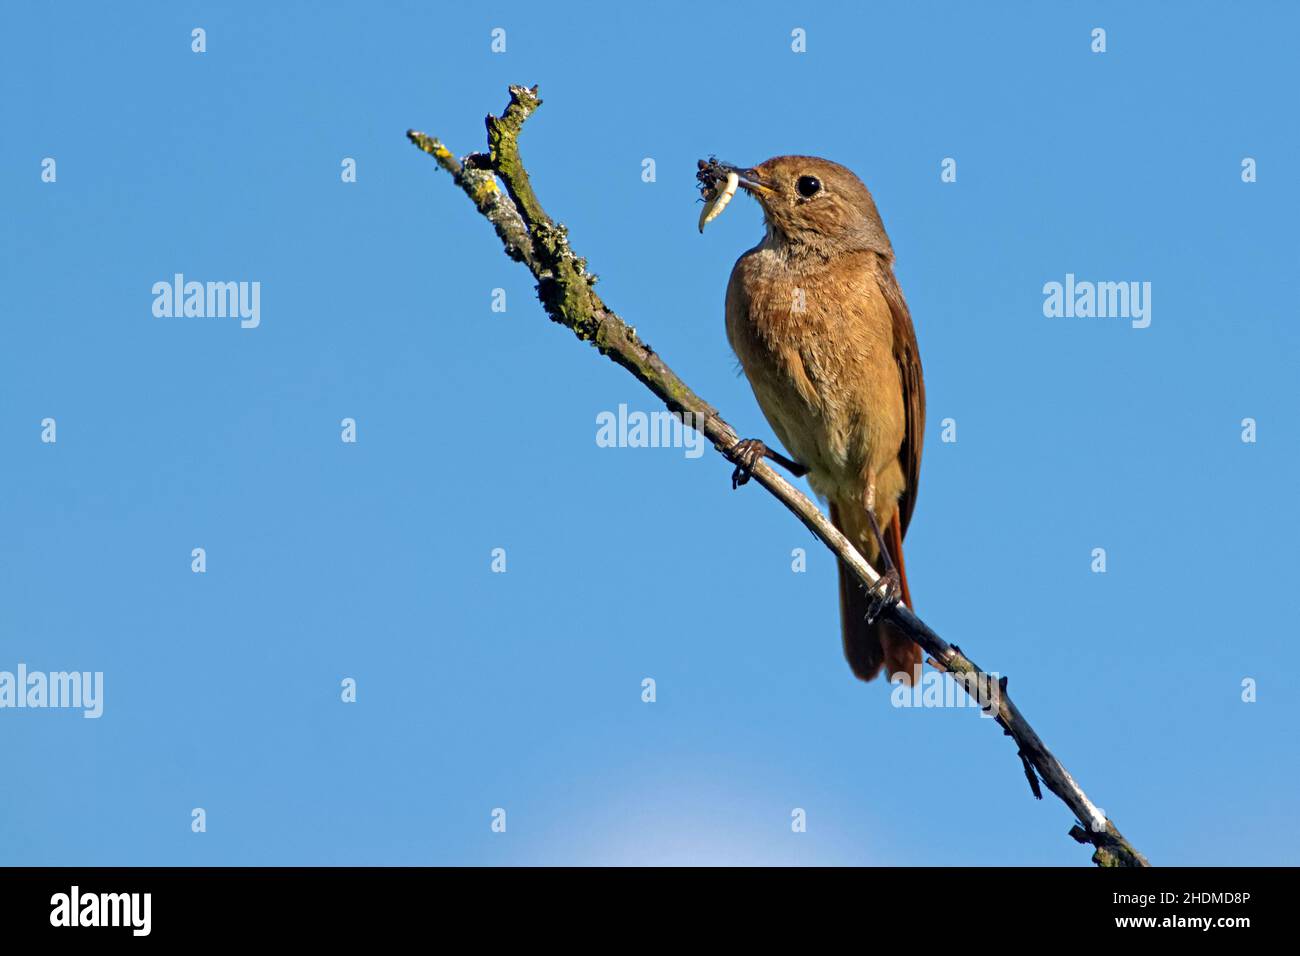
(565, 288)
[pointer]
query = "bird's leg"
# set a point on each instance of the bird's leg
(746, 454)
(887, 591)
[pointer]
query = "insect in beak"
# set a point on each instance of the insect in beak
(716, 198)
(719, 182)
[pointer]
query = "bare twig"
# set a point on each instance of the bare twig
(565, 288)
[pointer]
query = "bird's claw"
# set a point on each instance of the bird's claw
(884, 594)
(746, 454)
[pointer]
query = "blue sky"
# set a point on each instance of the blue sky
(476, 430)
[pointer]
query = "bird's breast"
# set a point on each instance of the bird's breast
(816, 346)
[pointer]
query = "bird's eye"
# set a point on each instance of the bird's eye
(808, 186)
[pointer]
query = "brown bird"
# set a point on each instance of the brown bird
(824, 336)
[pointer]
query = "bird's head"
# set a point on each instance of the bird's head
(810, 204)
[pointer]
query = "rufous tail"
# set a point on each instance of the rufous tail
(869, 647)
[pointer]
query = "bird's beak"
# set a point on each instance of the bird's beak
(750, 180)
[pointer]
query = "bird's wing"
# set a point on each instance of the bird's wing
(908, 357)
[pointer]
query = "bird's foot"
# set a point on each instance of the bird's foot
(746, 454)
(884, 594)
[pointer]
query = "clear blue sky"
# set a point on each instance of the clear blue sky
(476, 430)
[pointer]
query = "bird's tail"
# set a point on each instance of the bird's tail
(868, 647)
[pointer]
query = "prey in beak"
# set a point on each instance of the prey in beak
(718, 183)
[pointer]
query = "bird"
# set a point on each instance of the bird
(822, 332)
